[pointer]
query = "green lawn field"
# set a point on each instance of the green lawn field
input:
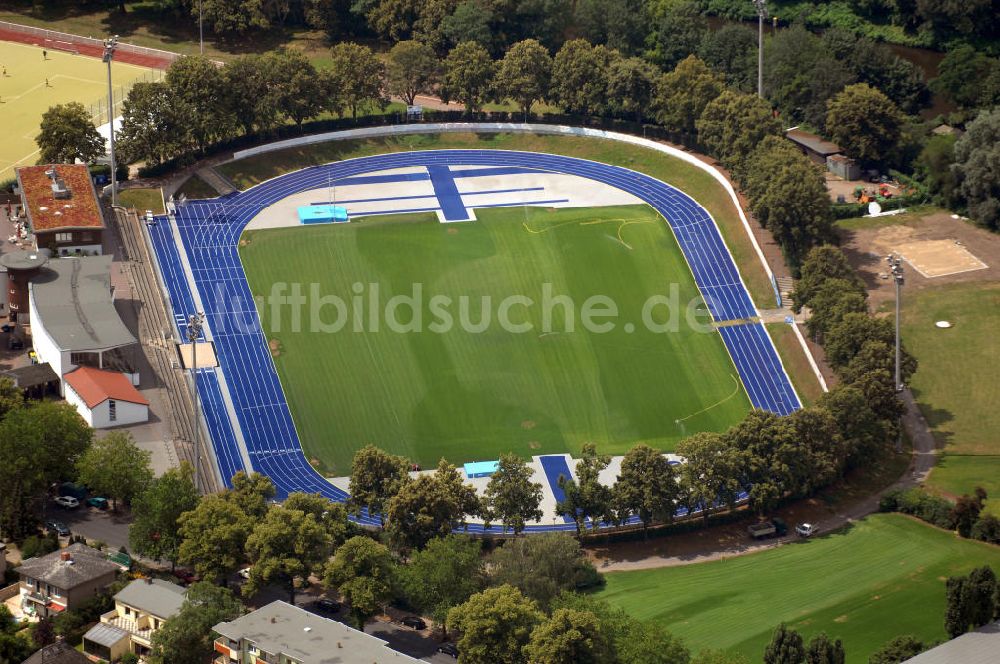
(470, 396)
(956, 384)
(26, 97)
(881, 577)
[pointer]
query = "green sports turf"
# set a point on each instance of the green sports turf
(472, 396)
(25, 96)
(882, 577)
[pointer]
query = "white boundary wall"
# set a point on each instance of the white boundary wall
(529, 128)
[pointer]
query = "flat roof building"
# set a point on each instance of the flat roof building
(61, 205)
(286, 634)
(980, 646)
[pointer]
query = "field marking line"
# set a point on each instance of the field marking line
(717, 403)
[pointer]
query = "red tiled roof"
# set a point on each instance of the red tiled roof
(96, 386)
(79, 211)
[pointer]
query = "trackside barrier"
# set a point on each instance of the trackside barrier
(65, 37)
(535, 128)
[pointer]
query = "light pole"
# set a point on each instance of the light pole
(896, 270)
(195, 322)
(201, 32)
(761, 15)
(110, 45)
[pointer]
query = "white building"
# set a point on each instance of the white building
(105, 398)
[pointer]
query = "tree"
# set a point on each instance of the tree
(585, 497)
(711, 472)
(444, 574)
(186, 637)
(412, 69)
(934, 168)
(472, 21)
(835, 299)
(199, 86)
(982, 595)
(468, 75)
(897, 650)
(759, 436)
(155, 511)
(682, 94)
(376, 477)
(359, 76)
(296, 87)
(650, 643)
(363, 572)
(966, 511)
(678, 29)
(252, 494)
(864, 434)
(580, 77)
(511, 497)
(286, 548)
(621, 26)
(961, 74)
(213, 536)
(875, 64)
(958, 613)
(865, 123)
(232, 17)
(542, 566)
(13, 648)
(785, 647)
(430, 506)
(69, 134)
(154, 126)
(732, 50)
(733, 124)
(42, 634)
(11, 398)
(631, 82)
(40, 444)
(331, 516)
(115, 467)
(524, 73)
(392, 20)
(977, 168)
(822, 263)
(568, 637)
(822, 650)
(858, 344)
(494, 625)
(646, 487)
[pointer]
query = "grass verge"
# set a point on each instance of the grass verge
(696, 183)
(795, 361)
(142, 199)
(194, 187)
(879, 578)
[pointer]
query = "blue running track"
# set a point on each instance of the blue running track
(210, 231)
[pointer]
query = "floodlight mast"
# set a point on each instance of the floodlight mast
(895, 264)
(195, 323)
(761, 15)
(110, 45)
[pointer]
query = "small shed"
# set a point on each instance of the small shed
(36, 381)
(815, 147)
(843, 166)
(481, 468)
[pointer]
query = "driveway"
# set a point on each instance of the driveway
(104, 525)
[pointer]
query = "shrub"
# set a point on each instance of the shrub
(915, 502)
(986, 529)
(35, 546)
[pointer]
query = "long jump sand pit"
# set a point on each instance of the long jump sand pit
(930, 257)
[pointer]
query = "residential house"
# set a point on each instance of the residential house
(63, 579)
(280, 633)
(141, 608)
(59, 652)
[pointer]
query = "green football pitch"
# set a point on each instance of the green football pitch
(466, 395)
(25, 96)
(880, 578)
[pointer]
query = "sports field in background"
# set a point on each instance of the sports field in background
(467, 396)
(25, 97)
(956, 384)
(881, 578)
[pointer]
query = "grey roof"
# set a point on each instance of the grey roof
(24, 260)
(105, 634)
(59, 652)
(280, 627)
(979, 646)
(73, 299)
(86, 565)
(32, 375)
(817, 144)
(154, 596)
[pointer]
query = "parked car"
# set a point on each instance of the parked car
(57, 527)
(806, 529)
(325, 605)
(186, 576)
(98, 502)
(448, 649)
(416, 622)
(773, 528)
(69, 502)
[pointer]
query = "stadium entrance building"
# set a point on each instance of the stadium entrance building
(62, 209)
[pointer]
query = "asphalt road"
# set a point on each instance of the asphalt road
(94, 524)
